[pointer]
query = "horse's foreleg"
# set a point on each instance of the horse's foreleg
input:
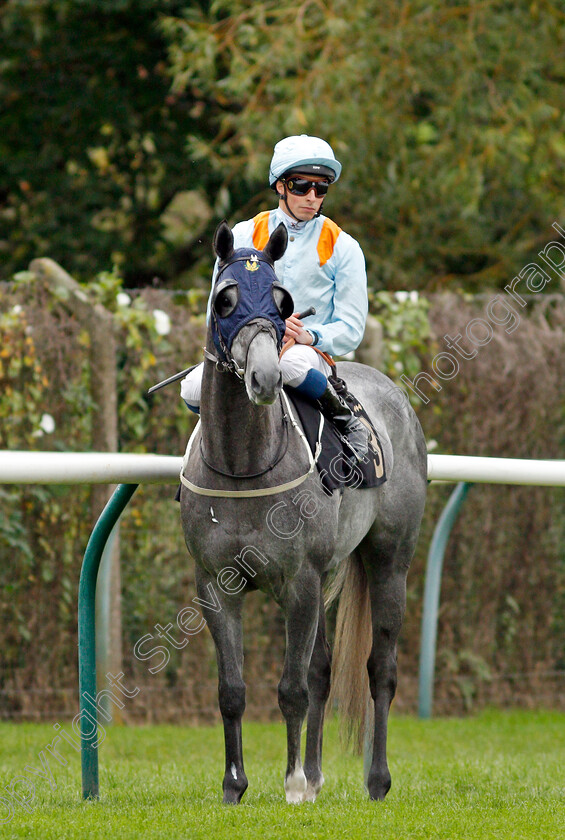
(388, 598)
(301, 608)
(224, 621)
(318, 691)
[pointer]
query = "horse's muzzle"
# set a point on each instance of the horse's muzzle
(265, 385)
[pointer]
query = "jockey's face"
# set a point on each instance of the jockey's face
(304, 207)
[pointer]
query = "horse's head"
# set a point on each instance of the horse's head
(248, 312)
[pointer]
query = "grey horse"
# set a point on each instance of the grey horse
(256, 517)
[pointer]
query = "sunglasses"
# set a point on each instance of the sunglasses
(301, 186)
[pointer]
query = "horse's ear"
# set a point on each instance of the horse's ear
(276, 246)
(223, 241)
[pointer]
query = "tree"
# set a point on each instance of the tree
(92, 139)
(447, 116)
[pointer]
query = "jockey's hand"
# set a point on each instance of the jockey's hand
(295, 330)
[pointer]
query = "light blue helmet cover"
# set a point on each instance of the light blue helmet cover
(300, 150)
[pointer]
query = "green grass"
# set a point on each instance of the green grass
(496, 775)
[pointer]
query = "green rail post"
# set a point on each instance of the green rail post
(103, 618)
(86, 635)
(431, 597)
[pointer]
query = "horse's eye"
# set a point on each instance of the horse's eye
(226, 301)
(283, 301)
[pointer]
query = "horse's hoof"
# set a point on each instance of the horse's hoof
(378, 786)
(234, 788)
(295, 786)
(313, 789)
(232, 797)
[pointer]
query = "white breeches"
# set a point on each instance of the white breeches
(295, 364)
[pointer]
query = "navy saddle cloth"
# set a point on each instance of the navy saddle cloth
(333, 464)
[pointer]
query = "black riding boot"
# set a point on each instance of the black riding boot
(336, 409)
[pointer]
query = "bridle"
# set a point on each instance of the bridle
(230, 366)
(229, 363)
(266, 322)
(282, 450)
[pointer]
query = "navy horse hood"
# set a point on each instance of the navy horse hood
(246, 288)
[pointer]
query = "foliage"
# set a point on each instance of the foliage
(29, 558)
(503, 582)
(45, 404)
(92, 139)
(23, 383)
(406, 331)
(448, 118)
(129, 133)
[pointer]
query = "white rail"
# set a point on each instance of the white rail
(87, 468)
(496, 470)
(122, 468)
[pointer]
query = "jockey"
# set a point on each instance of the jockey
(322, 267)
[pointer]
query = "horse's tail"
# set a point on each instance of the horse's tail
(352, 646)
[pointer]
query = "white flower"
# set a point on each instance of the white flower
(17, 309)
(414, 297)
(47, 424)
(123, 299)
(396, 347)
(162, 322)
(431, 444)
(402, 297)
(398, 366)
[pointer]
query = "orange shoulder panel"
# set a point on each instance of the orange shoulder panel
(328, 237)
(261, 230)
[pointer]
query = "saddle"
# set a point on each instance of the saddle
(336, 471)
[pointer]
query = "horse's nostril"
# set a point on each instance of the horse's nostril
(264, 387)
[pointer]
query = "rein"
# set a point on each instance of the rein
(280, 455)
(229, 364)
